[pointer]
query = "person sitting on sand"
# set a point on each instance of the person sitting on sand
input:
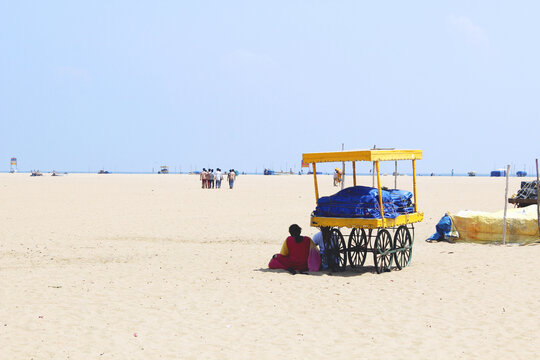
(294, 252)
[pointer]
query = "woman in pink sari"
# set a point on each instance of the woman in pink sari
(295, 252)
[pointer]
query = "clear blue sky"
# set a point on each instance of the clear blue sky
(131, 85)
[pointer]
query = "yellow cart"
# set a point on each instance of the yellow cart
(362, 238)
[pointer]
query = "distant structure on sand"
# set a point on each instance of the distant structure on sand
(471, 173)
(103, 172)
(498, 173)
(521, 173)
(527, 195)
(13, 165)
(164, 170)
(272, 172)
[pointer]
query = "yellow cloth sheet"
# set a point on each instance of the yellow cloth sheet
(486, 228)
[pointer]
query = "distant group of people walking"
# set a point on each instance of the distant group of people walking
(211, 179)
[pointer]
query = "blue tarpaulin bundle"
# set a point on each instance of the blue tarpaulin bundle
(443, 228)
(363, 202)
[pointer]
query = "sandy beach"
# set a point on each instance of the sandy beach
(154, 267)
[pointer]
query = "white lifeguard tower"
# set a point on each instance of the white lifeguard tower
(13, 166)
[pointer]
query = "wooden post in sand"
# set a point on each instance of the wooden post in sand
(395, 176)
(537, 198)
(505, 204)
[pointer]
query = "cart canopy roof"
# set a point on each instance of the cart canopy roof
(362, 155)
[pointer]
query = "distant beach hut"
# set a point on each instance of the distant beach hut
(164, 170)
(498, 173)
(13, 166)
(471, 173)
(521, 173)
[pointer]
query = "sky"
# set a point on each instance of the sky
(132, 85)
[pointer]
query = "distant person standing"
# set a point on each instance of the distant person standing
(208, 178)
(337, 177)
(211, 176)
(231, 177)
(219, 177)
(203, 178)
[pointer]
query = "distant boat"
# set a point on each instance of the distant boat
(471, 173)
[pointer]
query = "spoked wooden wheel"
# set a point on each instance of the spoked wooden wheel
(357, 247)
(336, 251)
(403, 246)
(382, 257)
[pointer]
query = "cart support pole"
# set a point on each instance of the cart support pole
(414, 184)
(373, 170)
(373, 175)
(537, 197)
(315, 180)
(505, 203)
(354, 172)
(343, 166)
(380, 193)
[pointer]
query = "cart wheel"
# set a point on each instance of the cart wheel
(357, 247)
(403, 246)
(382, 257)
(336, 251)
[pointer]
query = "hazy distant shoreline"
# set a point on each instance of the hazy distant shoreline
(253, 173)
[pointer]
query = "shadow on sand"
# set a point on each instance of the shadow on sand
(347, 273)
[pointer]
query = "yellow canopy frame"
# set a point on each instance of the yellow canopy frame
(365, 155)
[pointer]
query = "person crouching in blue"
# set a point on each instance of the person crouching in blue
(318, 240)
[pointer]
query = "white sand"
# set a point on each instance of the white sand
(88, 261)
